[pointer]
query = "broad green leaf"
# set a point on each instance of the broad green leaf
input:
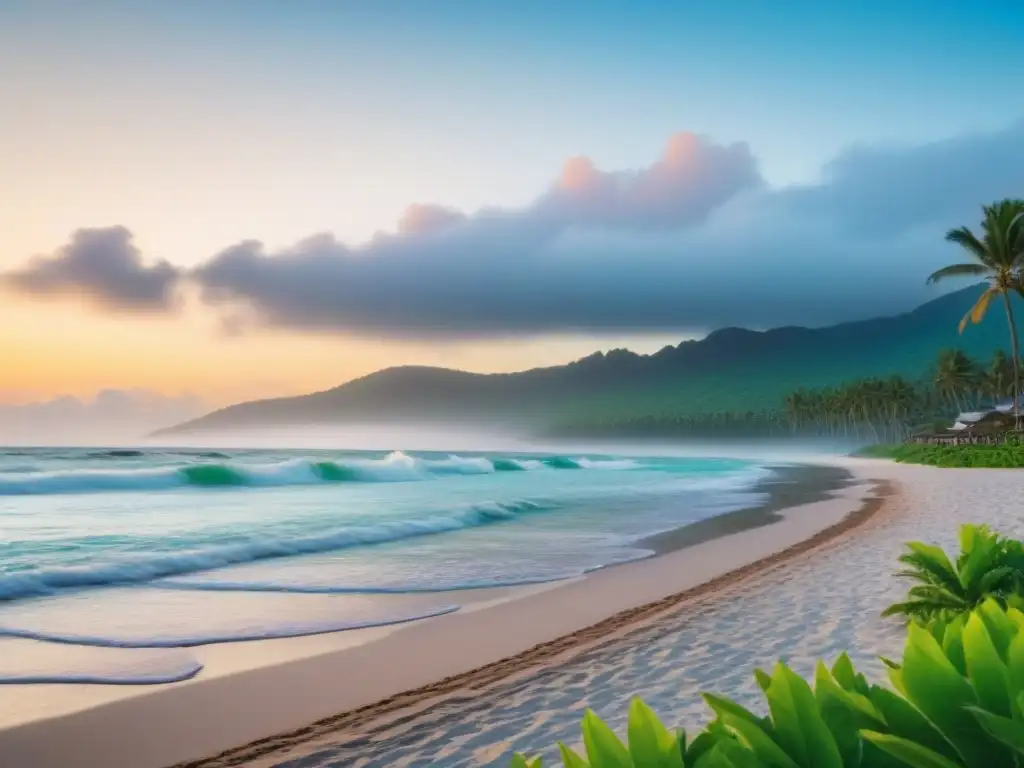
(703, 743)
(896, 678)
(1001, 628)
(1015, 673)
(1003, 729)
(1016, 617)
(906, 721)
(603, 747)
(764, 680)
(786, 717)
(521, 761)
(844, 672)
(752, 736)
(934, 686)
(952, 645)
(822, 750)
(736, 755)
(986, 670)
(842, 718)
(570, 759)
(721, 706)
(981, 558)
(651, 744)
(908, 751)
(826, 689)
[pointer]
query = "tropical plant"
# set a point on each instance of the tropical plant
(998, 256)
(997, 379)
(958, 703)
(1008, 454)
(990, 566)
(955, 376)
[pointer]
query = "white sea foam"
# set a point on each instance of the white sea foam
(395, 467)
(29, 662)
(190, 638)
(145, 568)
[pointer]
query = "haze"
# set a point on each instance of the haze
(215, 203)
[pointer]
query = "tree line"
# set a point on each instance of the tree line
(879, 409)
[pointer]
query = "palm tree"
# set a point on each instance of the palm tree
(989, 566)
(998, 377)
(955, 374)
(999, 258)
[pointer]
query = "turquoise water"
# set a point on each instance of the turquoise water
(171, 548)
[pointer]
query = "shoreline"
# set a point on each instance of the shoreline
(789, 485)
(516, 631)
(546, 654)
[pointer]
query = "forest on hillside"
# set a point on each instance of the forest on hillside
(877, 409)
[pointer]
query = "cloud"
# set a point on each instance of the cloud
(421, 219)
(692, 178)
(498, 271)
(694, 241)
(103, 265)
(112, 416)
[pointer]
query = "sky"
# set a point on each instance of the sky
(214, 202)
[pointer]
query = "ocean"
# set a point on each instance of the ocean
(169, 549)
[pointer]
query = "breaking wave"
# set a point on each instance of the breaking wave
(395, 467)
(21, 584)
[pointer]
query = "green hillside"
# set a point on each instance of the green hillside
(732, 369)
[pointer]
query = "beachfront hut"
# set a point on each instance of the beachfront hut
(1006, 406)
(972, 427)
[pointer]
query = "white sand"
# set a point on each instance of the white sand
(253, 690)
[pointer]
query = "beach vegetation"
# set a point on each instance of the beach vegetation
(989, 567)
(998, 256)
(955, 700)
(1008, 454)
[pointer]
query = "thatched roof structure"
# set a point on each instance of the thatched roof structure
(988, 426)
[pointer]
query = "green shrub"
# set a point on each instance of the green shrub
(958, 703)
(1006, 455)
(989, 566)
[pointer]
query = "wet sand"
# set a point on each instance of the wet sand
(791, 485)
(376, 678)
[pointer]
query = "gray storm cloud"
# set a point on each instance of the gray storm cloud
(103, 265)
(694, 241)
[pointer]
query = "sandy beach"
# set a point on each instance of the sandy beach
(516, 666)
(265, 694)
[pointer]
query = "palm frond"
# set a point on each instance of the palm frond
(932, 561)
(937, 596)
(977, 312)
(967, 240)
(958, 270)
(997, 580)
(913, 609)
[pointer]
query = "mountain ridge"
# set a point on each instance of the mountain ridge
(731, 368)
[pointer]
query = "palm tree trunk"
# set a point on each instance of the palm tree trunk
(1016, 358)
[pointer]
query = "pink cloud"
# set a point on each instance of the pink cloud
(420, 219)
(692, 177)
